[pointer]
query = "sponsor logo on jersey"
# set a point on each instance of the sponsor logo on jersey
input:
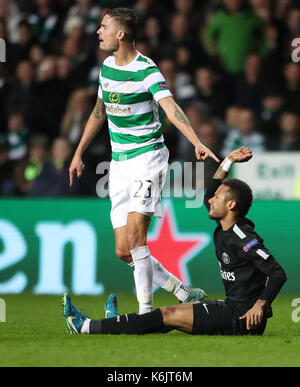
(227, 276)
(226, 258)
(118, 111)
(250, 244)
(114, 97)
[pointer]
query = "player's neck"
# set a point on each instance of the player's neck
(227, 222)
(125, 54)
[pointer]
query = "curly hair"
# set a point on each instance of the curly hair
(241, 193)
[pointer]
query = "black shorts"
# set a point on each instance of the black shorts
(218, 318)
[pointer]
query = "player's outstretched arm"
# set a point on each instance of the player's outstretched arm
(93, 126)
(179, 119)
(240, 155)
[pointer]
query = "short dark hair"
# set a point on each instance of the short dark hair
(241, 193)
(129, 18)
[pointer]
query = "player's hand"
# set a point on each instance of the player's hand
(254, 316)
(240, 155)
(202, 153)
(76, 167)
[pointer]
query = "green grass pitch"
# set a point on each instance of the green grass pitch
(35, 335)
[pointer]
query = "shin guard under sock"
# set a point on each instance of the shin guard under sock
(130, 324)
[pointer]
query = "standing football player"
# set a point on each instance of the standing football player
(130, 89)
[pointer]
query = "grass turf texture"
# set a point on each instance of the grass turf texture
(34, 335)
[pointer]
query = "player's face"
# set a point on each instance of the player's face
(109, 34)
(220, 203)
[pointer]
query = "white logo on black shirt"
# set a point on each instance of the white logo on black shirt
(227, 276)
(226, 258)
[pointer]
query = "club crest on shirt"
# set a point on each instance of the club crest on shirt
(128, 87)
(226, 258)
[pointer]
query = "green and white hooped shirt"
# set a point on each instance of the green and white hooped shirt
(131, 94)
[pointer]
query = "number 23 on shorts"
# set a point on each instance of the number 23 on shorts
(142, 189)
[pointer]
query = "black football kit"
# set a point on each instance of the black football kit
(249, 272)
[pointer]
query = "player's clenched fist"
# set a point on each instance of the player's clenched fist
(240, 155)
(76, 167)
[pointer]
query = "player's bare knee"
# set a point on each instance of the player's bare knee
(168, 313)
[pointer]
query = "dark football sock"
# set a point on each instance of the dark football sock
(130, 324)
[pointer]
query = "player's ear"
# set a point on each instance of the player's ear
(232, 205)
(121, 35)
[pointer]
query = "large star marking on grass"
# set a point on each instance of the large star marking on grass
(175, 249)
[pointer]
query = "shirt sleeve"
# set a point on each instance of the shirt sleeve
(253, 249)
(276, 279)
(156, 84)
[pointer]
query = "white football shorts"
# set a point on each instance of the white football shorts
(135, 185)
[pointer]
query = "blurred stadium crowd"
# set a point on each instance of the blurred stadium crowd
(227, 62)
